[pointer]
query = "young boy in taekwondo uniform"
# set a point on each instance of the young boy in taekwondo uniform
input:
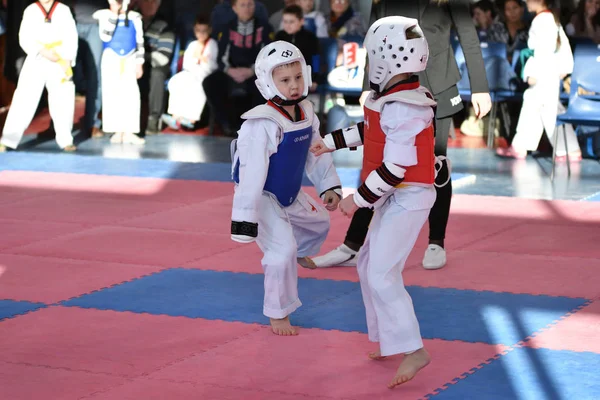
(270, 156)
(122, 65)
(48, 36)
(399, 170)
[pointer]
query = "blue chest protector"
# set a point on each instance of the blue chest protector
(286, 167)
(124, 40)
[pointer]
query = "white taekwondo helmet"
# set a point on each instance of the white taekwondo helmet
(394, 45)
(272, 56)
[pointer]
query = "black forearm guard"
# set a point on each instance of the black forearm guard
(244, 228)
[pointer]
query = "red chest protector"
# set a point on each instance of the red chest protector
(422, 173)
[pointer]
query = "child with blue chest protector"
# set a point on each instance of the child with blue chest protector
(270, 157)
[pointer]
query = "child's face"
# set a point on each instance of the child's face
(306, 5)
(289, 80)
(291, 24)
(202, 32)
(244, 9)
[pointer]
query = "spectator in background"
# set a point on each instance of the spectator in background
(344, 21)
(276, 19)
(122, 65)
(159, 43)
(239, 43)
(295, 33)
(223, 13)
(511, 30)
(186, 95)
(314, 21)
(585, 23)
(88, 62)
(550, 62)
(484, 15)
(48, 36)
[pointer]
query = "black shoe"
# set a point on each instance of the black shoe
(153, 126)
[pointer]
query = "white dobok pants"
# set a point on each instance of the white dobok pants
(394, 229)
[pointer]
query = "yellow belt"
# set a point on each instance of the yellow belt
(61, 62)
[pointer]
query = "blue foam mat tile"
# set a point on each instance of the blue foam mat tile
(531, 374)
(493, 318)
(12, 308)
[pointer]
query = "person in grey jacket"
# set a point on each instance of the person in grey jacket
(436, 18)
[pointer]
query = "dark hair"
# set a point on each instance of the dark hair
(202, 19)
(294, 10)
(580, 17)
(485, 5)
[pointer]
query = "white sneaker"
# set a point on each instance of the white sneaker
(342, 256)
(132, 138)
(116, 138)
(435, 257)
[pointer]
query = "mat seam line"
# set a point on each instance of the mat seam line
(520, 344)
(166, 365)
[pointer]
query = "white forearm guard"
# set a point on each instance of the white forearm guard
(378, 183)
(347, 137)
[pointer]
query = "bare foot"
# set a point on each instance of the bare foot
(376, 355)
(307, 262)
(410, 365)
(283, 327)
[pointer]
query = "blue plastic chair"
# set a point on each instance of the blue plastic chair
(582, 109)
(497, 68)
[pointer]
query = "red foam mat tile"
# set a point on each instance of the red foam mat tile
(151, 389)
(50, 280)
(29, 382)
(577, 332)
(204, 217)
(323, 363)
(118, 343)
(530, 210)
(84, 209)
(185, 191)
(132, 246)
(155, 189)
(514, 273)
(10, 195)
(544, 239)
(19, 233)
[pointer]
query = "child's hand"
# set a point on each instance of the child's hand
(531, 81)
(347, 206)
(49, 54)
(319, 147)
(139, 71)
(331, 200)
(116, 8)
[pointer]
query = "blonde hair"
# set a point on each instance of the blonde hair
(292, 64)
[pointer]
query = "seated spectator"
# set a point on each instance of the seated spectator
(186, 95)
(159, 43)
(223, 13)
(484, 15)
(239, 44)
(344, 21)
(276, 20)
(511, 30)
(295, 33)
(585, 23)
(314, 21)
